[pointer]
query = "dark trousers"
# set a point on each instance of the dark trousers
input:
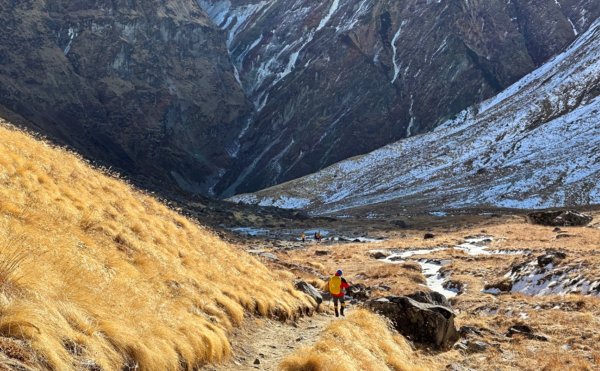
(340, 300)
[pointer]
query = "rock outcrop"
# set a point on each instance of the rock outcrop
(560, 218)
(145, 87)
(428, 323)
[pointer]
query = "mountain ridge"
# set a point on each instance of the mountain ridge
(509, 151)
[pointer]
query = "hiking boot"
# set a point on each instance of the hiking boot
(337, 314)
(342, 312)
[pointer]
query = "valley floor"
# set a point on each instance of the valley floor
(499, 271)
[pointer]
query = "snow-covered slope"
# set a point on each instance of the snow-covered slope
(535, 145)
(323, 74)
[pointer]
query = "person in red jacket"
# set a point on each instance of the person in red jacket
(337, 288)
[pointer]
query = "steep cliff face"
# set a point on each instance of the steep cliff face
(333, 79)
(145, 86)
(535, 145)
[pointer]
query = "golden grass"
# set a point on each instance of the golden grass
(362, 342)
(95, 273)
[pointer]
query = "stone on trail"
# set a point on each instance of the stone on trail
(421, 322)
(561, 218)
(309, 290)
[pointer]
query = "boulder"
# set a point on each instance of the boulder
(560, 218)
(379, 255)
(359, 292)
(322, 252)
(421, 322)
(309, 290)
(430, 297)
(504, 285)
(553, 257)
(428, 236)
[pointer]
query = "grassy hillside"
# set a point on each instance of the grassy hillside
(96, 274)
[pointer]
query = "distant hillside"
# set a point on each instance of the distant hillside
(218, 97)
(96, 275)
(535, 145)
(334, 79)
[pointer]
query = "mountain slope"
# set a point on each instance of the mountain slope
(96, 275)
(534, 145)
(143, 86)
(333, 79)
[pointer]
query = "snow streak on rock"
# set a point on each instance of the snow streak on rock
(394, 49)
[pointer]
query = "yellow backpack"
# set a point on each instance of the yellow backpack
(335, 285)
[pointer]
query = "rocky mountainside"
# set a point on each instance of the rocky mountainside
(218, 97)
(535, 145)
(144, 86)
(333, 79)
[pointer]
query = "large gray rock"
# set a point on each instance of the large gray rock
(430, 297)
(309, 290)
(421, 322)
(559, 218)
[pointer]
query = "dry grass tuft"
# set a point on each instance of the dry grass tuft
(94, 274)
(363, 341)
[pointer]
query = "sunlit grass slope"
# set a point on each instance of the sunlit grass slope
(94, 274)
(363, 342)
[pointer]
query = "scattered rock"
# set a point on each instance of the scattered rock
(454, 285)
(421, 322)
(472, 346)
(560, 218)
(553, 257)
(525, 331)
(257, 361)
(322, 252)
(384, 288)
(359, 292)
(310, 290)
(504, 285)
(428, 236)
(555, 230)
(379, 255)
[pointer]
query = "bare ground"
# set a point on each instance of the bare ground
(261, 344)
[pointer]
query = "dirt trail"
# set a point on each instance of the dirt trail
(270, 341)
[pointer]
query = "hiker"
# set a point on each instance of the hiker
(303, 237)
(318, 236)
(337, 288)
